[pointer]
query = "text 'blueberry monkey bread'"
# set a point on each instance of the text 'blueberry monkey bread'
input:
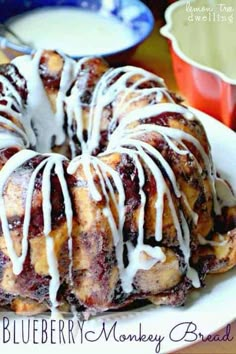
(108, 193)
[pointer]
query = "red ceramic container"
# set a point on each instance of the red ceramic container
(204, 87)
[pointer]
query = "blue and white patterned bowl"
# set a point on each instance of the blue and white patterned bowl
(133, 12)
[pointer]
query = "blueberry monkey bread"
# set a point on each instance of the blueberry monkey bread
(108, 192)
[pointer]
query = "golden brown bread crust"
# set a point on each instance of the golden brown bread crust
(223, 247)
(96, 282)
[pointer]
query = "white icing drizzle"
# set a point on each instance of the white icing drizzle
(102, 170)
(105, 95)
(185, 246)
(134, 254)
(12, 164)
(7, 140)
(57, 161)
(15, 129)
(121, 90)
(163, 189)
(69, 214)
(107, 210)
(193, 215)
(51, 256)
(12, 107)
(67, 78)
(120, 207)
(50, 161)
(74, 112)
(224, 193)
(106, 92)
(222, 241)
(167, 133)
(40, 123)
(11, 95)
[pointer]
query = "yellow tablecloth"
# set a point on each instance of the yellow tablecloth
(154, 56)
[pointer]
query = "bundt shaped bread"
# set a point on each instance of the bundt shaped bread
(108, 193)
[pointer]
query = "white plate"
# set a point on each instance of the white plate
(209, 309)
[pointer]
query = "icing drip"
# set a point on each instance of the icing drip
(222, 242)
(68, 212)
(123, 133)
(8, 140)
(74, 112)
(185, 247)
(12, 164)
(51, 256)
(102, 170)
(48, 164)
(15, 128)
(194, 215)
(105, 93)
(67, 78)
(55, 160)
(41, 124)
(162, 189)
(134, 254)
(224, 193)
